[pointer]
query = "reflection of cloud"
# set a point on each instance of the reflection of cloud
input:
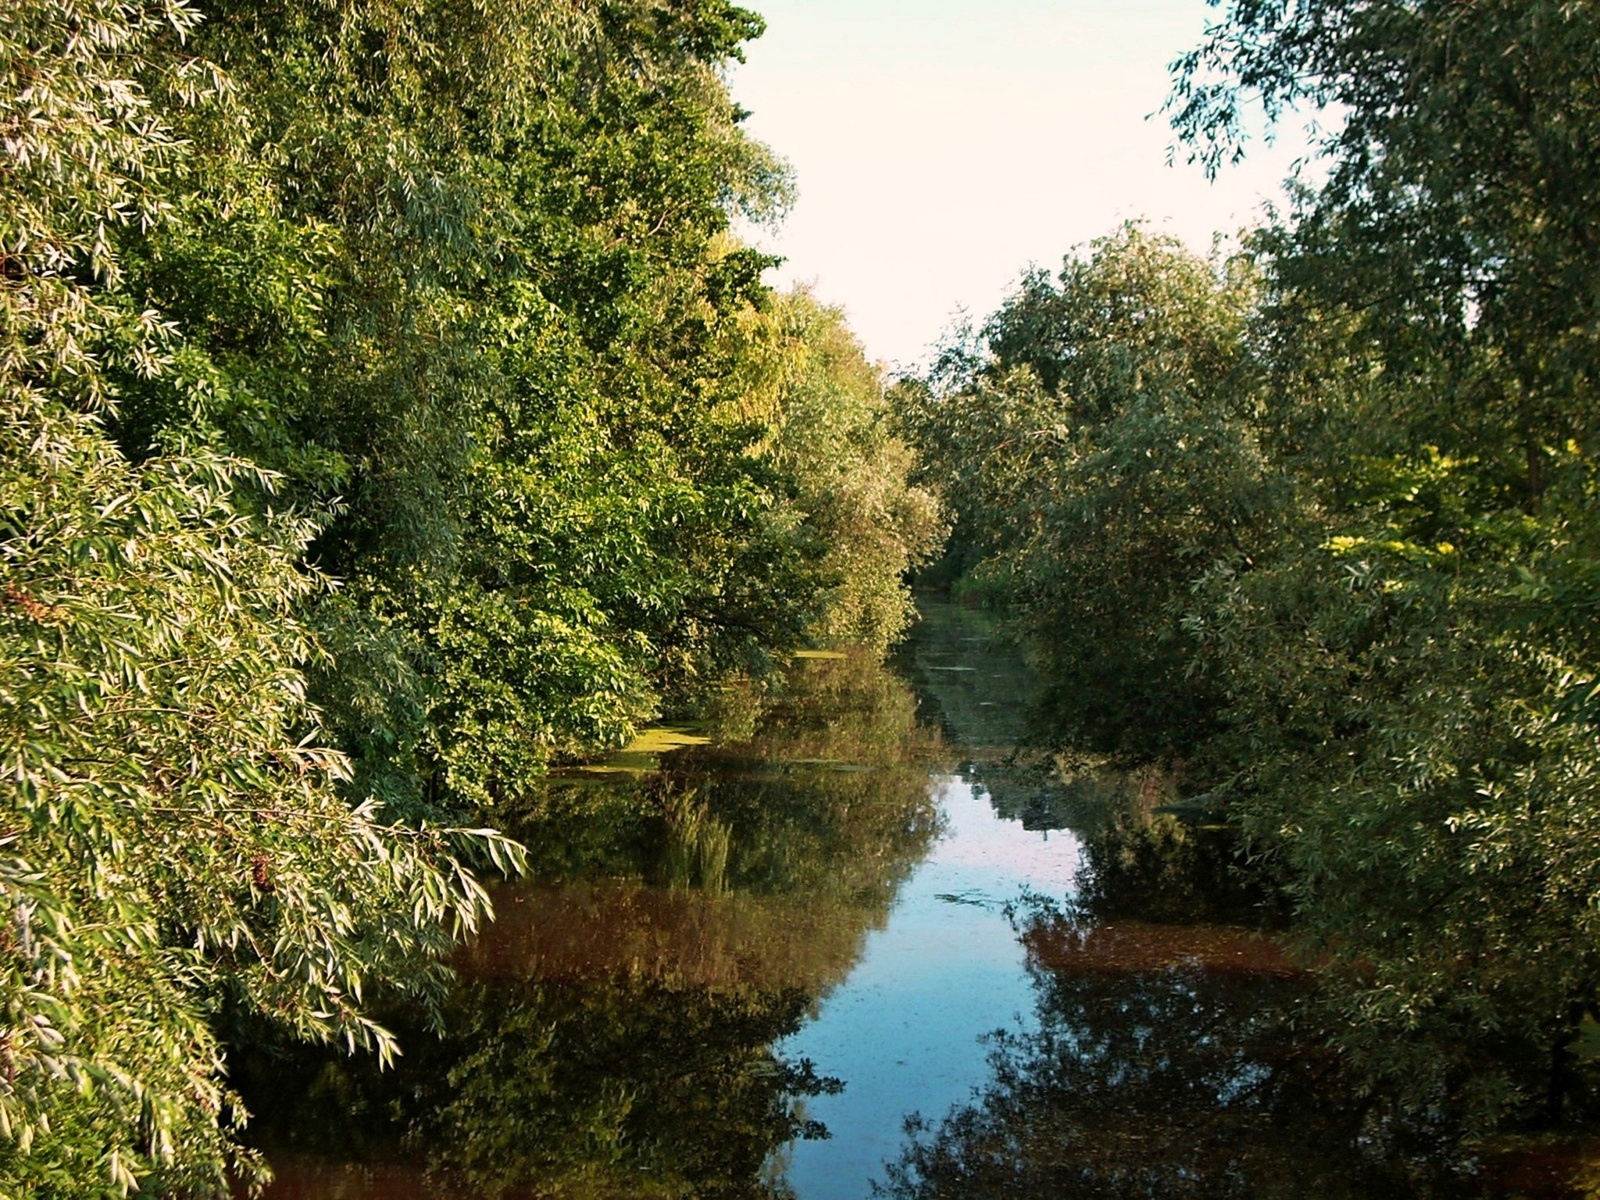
(1013, 857)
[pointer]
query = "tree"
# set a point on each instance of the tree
(849, 472)
(465, 280)
(174, 839)
(1099, 455)
(1409, 675)
(1460, 205)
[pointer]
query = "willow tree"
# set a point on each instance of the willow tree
(174, 840)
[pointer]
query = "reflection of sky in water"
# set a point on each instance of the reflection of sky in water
(903, 1031)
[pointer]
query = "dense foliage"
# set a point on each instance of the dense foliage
(1091, 458)
(464, 278)
(176, 843)
(1316, 527)
(387, 410)
(831, 434)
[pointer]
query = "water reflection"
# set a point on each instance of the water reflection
(680, 937)
(850, 878)
(613, 1032)
(619, 1086)
(977, 688)
(1163, 1063)
(905, 1030)
(1156, 1054)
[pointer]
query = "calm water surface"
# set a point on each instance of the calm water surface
(907, 1029)
(742, 967)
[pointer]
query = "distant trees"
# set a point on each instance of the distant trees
(384, 415)
(1319, 529)
(831, 433)
(1093, 457)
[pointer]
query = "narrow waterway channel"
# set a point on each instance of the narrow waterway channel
(822, 947)
(907, 1031)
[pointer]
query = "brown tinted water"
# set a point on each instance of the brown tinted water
(825, 949)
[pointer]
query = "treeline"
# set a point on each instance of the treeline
(1313, 525)
(388, 411)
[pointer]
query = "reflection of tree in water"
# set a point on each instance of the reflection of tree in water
(1164, 1062)
(819, 789)
(828, 798)
(1164, 1065)
(618, 1088)
(1162, 867)
(613, 1035)
(978, 691)
(599, 1087)
(976, 686)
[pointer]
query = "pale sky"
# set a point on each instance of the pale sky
(941, 146)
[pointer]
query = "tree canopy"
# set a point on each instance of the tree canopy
(1314, 527)
(388, 412)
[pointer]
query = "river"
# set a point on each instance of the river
(822, 946)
